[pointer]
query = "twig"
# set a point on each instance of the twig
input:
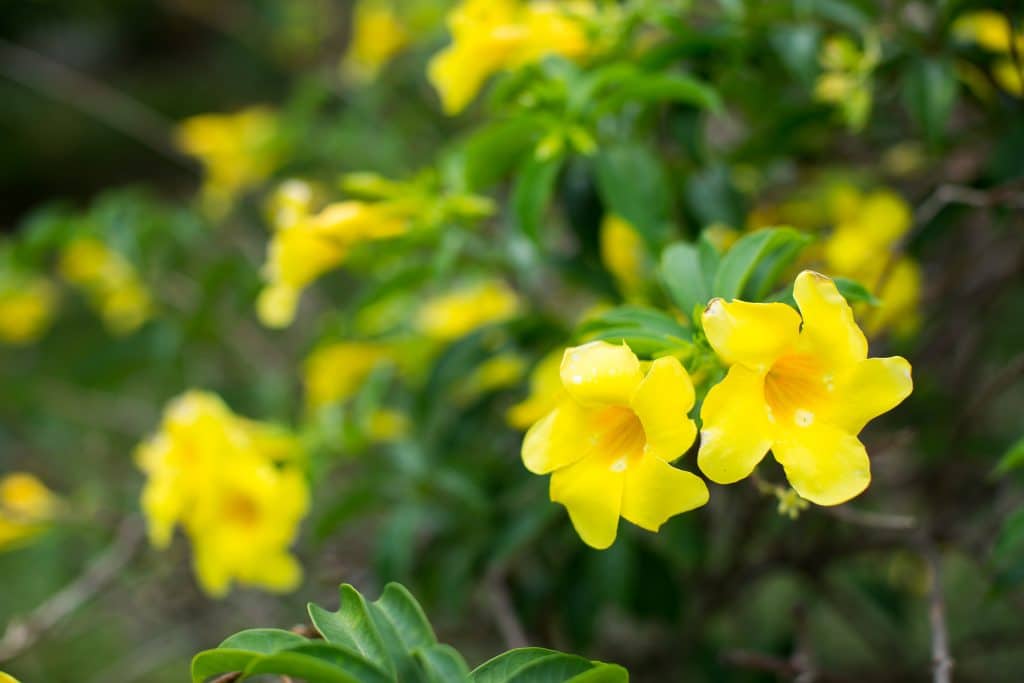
(875, 520)
(23, 633)
(504, 612)
(756, 661)
(91, 97)
(942, 662)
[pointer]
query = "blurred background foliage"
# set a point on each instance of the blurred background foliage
(699, 122)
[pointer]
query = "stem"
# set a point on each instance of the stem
(942, 662)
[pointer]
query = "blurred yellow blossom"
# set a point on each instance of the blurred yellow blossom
(1008, 76)
(235, 488)
(26, 508)
(290, 203)
(489, 36)
(301, 251)
(110, 282)
(988, 28)
(334, 372)
(378, 34)
(457, 313)
(500, 371)
(800, 385)
(609, 441)
(387, 425)
(7, 678)
(845, 80)
(238, 151)
(27, 306)
(624, 254)
(545, 393)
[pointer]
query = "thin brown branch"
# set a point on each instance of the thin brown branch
(942, 661)
(786, 668)
(874, 520)
(23, 633)
(91, 97)
(505, 617)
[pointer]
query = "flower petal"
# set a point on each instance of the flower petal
(558, 439)
(656, 491)
(600, 373)
(873, 387)
(736, 433)
(825, 464)
(750, 334)
(662, 402)
(591, 490)
(829, 328)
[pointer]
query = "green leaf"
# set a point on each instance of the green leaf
(504, 666)
(220, 661)
(929, 92)
(688, 270)
(485, 156)
(854, 291)
(407, 617)
(263, 640)
(534, 187)
(352, 626)
(1008, 553)
(443, 664)
(319, 663)
(663, 87)
(1012, 460)
(797, 47)
(555, 668)
(772, 246)
(645, 330)
(602, 673)
(633, 185)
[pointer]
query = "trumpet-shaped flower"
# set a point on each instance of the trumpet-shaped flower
(27, 506)
(334, 372)
(232, 485)
(489, 36)
(609, 441)
(545, 393)
(26, 309)
(378, 34)
(238, 151)
(800, 385)
(301, 251)
(457, 313)
(110, 282)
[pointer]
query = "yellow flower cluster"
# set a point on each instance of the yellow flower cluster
(234, 487)
(992, 31)
(307, 244)
(109, 281)
(489, 36)
(457, 313)
(27, 306)
(845, 80)
(334, 372)
(238, 151)
(798, 384)
(26, 508)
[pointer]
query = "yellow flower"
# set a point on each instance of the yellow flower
(7, 678)
(545, 393)
(608, 443)
(845, 80)
(237, 151)
(800, 385)
(988, 28)
(456, 314)
(624, 254)
(387, 425)
(302, 251)
(489, 36)
(334, 372)
(26, 508)
(26, 309)
(233, 486)
(290, 203)
(110, 283)
(1008, 76)
(497, 372)
(866, 236)
(378, 34)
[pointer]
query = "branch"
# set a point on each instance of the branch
(505, 617)
(91, 97)
(21, 634)
(942, 662)
(875, 520)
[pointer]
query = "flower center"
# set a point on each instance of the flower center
(619, 436)
(796, 389)
(241, 510)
